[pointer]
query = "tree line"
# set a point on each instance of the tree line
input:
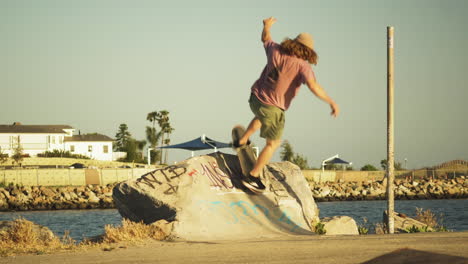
(287, 154)
(157, 135)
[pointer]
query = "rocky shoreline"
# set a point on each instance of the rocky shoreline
(27, 198)
(404, 190)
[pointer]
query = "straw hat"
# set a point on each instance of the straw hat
(305, 39)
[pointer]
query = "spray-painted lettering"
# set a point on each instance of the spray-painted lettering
(162, 177)
(217, 177)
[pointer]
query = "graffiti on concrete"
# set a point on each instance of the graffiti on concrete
(162, 176)
(191, 173)
(242, 212)
(217, 177)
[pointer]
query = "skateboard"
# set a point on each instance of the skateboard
(246, 154)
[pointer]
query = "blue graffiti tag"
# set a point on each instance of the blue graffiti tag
(242, 212)
(287, 219)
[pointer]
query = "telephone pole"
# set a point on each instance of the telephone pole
(390, 142)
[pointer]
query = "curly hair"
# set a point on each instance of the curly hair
(294, 48)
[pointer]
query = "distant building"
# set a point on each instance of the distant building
(35, 139)
(95, 146)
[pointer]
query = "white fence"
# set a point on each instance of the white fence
(69, 177)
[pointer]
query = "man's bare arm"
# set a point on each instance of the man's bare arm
(317, 89)
(267, 22)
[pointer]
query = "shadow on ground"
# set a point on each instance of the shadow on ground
(407, 255)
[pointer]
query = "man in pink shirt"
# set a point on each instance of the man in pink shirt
(288, 67)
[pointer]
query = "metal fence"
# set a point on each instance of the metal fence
(432, 174)
(356, 176)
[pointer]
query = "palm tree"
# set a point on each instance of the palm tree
(152, 135)
(163, 121)
(153, 117)
(168, 130)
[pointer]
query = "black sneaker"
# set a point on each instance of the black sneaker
(254, 184)
(236, 144)
(259, 183)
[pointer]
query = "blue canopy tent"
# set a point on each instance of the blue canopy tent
(338, 161)
(334, 160)
(200, 143)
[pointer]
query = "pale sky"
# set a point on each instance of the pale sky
(96, 64)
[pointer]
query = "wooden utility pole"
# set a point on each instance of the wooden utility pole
(390, 150)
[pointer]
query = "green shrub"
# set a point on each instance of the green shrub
(9, 185)
(58, 153)
(3, 157)
(363, 228)
(368, 167)
(320, 229)
(415, 229)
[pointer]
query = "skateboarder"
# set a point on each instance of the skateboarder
(288, 67)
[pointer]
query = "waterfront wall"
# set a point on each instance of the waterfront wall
(69, 177)
(104, 176)
(23, 198)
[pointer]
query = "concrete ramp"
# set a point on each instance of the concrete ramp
(206, 200)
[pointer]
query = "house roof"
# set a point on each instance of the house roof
(88, 137)
(17, 128)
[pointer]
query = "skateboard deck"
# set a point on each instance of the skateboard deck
(246, 155)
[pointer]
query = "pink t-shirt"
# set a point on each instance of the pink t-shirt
(281, 78)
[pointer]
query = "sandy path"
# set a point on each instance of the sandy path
(421, 248)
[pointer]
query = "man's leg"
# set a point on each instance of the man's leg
(254, 125)
(265, 156)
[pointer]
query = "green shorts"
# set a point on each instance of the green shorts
(271, 117)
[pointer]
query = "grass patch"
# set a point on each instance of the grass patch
(380, 228)
(20, 238)
(432, 223)
(431, 220)
(131, 232)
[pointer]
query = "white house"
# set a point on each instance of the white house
(95, 146)
(35, 139)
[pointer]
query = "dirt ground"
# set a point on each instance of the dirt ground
(424, 248)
